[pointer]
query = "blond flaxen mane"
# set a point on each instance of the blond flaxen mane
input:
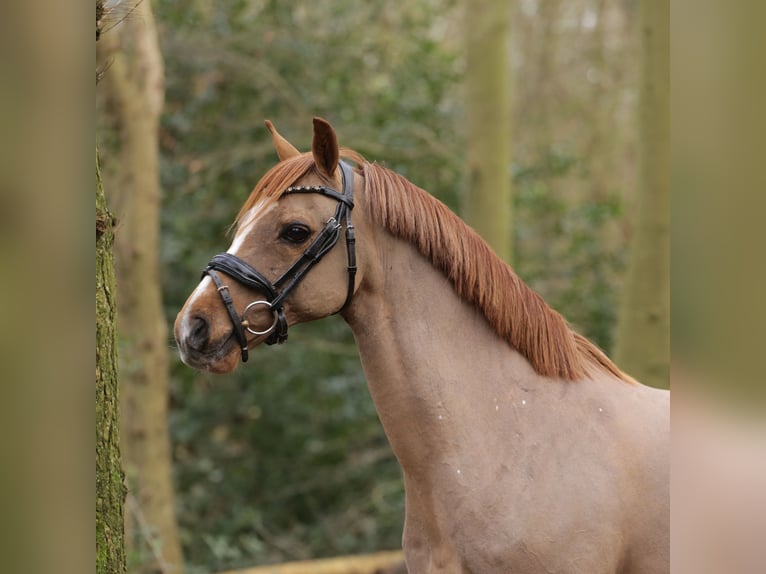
(516, 313)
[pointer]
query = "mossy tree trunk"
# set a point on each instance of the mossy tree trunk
(110, 492)
(643, 340)
(487, 204)
(134, 92)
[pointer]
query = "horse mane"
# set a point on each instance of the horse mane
(516, 313)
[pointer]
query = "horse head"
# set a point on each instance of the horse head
(292, 258)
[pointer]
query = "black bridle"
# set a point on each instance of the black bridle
(247, 275)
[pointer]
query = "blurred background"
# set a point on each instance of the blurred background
(285, 459)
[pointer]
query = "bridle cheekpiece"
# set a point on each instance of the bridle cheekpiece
(275, 293)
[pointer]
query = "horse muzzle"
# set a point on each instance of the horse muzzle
(201, 349)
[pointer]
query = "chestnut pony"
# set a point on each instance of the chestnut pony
(523, 447)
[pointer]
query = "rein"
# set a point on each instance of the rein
(247, 275)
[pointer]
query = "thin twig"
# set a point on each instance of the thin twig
(131, 503)
(108, 12)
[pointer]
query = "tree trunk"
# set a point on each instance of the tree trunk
(599, 142)
(487, 205)
(110, 492)
(643, 340)
(134, 90)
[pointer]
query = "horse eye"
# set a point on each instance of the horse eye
(295, 233)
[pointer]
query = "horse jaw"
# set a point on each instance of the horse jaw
(227, 364)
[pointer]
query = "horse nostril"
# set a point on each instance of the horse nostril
(199, 334)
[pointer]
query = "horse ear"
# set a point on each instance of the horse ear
(285, 149)
(325, 147)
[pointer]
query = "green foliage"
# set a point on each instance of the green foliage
(288, 461)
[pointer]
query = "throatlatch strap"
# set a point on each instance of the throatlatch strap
(348, 192)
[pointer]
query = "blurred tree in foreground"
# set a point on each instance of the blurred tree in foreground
(133, 91)
(487, 204)
(574, 133)
(643, 336)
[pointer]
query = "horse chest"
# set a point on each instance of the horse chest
(508, 524)
(471, 545)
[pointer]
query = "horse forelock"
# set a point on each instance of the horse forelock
(284, 174)
(275, 181)
(516, 313)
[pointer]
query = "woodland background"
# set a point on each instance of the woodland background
(285, 459)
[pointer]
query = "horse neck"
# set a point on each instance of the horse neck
(433, 364)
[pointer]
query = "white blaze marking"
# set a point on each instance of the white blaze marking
(523, 401)
(248, 222)
(185, 324)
